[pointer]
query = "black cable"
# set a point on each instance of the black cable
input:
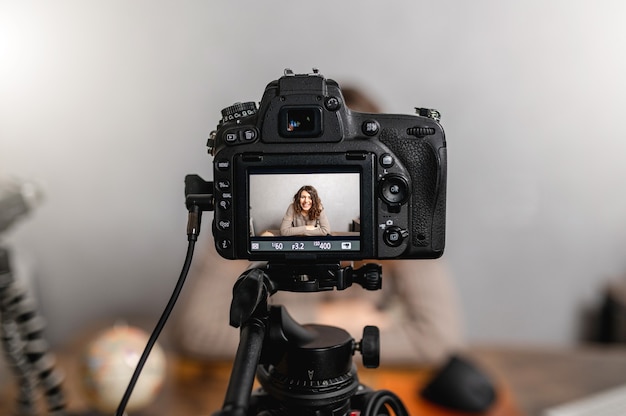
(377, 401)
(193, 230)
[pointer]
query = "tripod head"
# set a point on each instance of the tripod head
(257, 284)
(303, 369)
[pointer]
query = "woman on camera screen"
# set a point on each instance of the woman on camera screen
(305, 215)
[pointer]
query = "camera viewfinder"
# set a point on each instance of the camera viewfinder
(300, 122)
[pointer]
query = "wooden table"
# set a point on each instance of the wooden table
(530, 379)
(197, 389)
(542, 377)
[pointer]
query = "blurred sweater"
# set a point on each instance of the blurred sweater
(417, 310)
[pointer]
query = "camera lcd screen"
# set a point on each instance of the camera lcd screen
(300, 122)
(304, 212)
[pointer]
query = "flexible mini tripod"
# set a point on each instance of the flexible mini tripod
(302, 369)
(21, 329)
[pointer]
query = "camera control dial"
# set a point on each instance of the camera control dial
(238, 110)
(394, 189)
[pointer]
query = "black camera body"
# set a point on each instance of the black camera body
(381, 177)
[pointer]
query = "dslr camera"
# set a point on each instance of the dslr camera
(380, 178)
(303, 183)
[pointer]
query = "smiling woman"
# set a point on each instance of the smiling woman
(305, 216)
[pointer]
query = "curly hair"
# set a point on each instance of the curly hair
(316, 207)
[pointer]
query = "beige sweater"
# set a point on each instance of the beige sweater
(417, 310)
(296, 224)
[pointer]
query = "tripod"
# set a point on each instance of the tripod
(302, 369)
(21, 329)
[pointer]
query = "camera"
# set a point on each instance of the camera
(303, 182)
(379, 179)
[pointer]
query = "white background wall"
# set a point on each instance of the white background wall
(108, 105)
(271, 195)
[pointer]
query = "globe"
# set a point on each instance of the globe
(108, 363)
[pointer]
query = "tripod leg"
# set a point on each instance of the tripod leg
(14, 352)
(237, 398)
(24, 345)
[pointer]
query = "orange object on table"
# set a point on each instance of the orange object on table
(406, 382)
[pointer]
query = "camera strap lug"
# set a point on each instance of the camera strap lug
(428, 112)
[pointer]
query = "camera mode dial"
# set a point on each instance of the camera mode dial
(238, 110)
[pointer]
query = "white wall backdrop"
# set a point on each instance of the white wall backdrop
(108, 106)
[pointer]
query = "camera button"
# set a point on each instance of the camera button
(225, 244)
(223, 185)
(224, 204)
(224, 224)
(394, 236)
(387, 160)
(231, 137)
(249, 135)
(223, 164)
(394, 189)
(370, 127)
(332, 103)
